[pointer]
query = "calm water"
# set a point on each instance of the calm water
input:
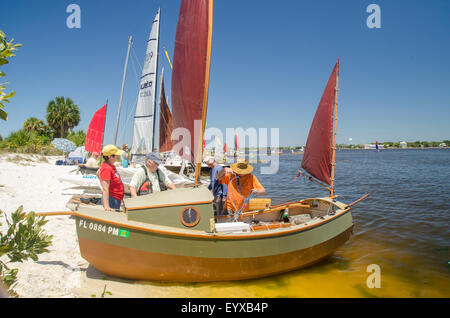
(403, 227)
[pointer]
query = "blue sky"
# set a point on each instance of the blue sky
(270, 64)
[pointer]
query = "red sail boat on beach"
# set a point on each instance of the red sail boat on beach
(175, 236)
(95, 132)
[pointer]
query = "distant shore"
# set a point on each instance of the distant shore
(407, 148)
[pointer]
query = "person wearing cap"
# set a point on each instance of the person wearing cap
(149, 178)
(112, 186)
(241, 185)
(219, 190)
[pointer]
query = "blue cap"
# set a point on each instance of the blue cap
(154, 157)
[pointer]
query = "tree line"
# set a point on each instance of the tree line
(63, 115)
(398, 144)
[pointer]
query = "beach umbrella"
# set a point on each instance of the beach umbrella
(64, 144)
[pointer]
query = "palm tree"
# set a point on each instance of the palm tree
(34, 124)
(77, 137)
(62, 115)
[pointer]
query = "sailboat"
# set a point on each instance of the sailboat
(377, 148)
(143, 127)
(174, 235)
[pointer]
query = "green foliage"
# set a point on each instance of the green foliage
(34, 124)
(27, 142)
(6, 52)
(62, 115)
(25, 239)
(415, 144)
(78, 137)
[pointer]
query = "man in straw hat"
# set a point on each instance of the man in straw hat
(219, 190)
(241, 185)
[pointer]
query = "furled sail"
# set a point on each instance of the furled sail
(190, 77)
(165, 120)
(144, 118)
(94, 135)
(318, 156)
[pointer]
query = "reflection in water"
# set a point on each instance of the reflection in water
(402, 227)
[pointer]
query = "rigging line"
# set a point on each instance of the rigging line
(125, 121)
(167, 55)
(134, 69)
(165, 119)
(137, 60)
(128, 109)
(130, 114)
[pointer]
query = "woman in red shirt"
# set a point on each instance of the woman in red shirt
(112, 186)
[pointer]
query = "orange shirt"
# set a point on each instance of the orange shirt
(238, 189)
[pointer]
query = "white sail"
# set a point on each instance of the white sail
(144, 118)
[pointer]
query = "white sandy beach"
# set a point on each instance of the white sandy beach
(33, 183)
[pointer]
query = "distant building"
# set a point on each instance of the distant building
(442, 145)
(403, 144)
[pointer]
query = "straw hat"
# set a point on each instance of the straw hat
(110, 150)
(241, 167)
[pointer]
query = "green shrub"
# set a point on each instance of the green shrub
(25, 239)
(77, 137)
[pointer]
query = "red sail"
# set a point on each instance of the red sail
(94, 135)
(225, 148)
(165, 122)
(189, 71)
(317, 159)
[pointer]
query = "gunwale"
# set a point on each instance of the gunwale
(192, 233)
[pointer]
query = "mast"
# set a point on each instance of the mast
(156, 82)
(333, 160)
(130, 41)
(198, 165)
